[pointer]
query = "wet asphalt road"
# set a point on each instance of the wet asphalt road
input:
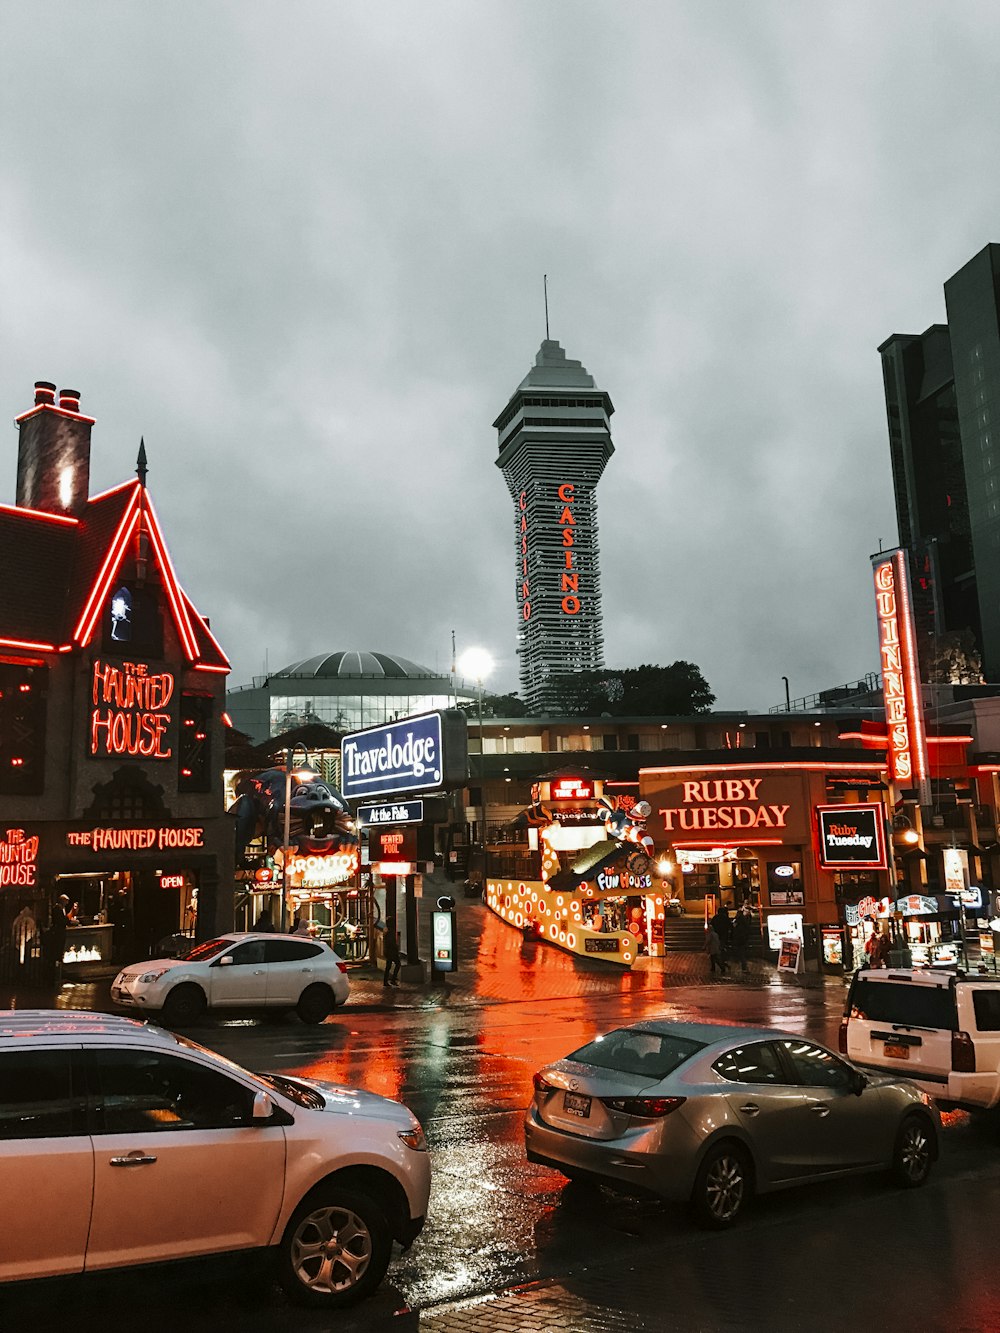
(463, 1062)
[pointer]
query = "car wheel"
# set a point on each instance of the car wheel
(184, 1005)
(315, 1004)
(914, 1152)
(335, 1250)
(723, 1186)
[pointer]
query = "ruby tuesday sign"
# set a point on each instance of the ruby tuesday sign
(724, 804)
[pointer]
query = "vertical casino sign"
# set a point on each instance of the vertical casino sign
(907, 740)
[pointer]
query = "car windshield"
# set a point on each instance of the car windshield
(636, 1051)
(207, 949)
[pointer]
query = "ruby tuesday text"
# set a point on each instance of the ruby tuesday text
(723, 803)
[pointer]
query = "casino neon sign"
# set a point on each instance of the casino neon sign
(570, 586)
(900, 674)
(129, 711)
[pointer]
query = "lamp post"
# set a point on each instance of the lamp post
(304, 774)
(477, 664)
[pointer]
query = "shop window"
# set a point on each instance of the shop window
(23, 691)
(133, 621)
(194, 749)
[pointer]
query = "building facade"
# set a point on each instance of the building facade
(942, 391)
(346, 691)
(111, 717)
(554, 441)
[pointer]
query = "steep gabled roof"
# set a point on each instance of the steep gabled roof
(57, 574)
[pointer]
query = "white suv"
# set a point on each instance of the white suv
(124, 1144)
(938, 1027)
(237, 971)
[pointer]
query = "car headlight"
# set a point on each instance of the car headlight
(414, 1138)
(153, 976)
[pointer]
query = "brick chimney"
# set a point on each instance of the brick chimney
(53, 452)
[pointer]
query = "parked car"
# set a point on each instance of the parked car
(237, 971)
(941, 1027)
(128, 1145)
(694, 1112)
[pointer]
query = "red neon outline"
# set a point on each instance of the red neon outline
(881, 864)
(27, 643)
(207, 666)
(39, 513)
(51, 407)
(227, 721)
(204, 624)
(803, 766)
(188, 641)
(880, 739)
(743, 842)
(108, 570)
(103, 495)
(914, 698)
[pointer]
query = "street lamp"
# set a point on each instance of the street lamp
(476, 664)
(304, 774)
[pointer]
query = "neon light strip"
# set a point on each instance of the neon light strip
(914, 698)
(180, 611)
(27, 643)
(743, 842)
(206, 666)
(59, 411)
(39, 513)
(108, 569)
(803, 767)
(204, 624)
(884, 740)
(122, 486)
(227, 720)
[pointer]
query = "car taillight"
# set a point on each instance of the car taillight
(963, 1053)
(650, 1108)
(542, 1084)
(341, 967)
(842, 1036)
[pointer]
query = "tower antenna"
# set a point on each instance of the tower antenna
(545, 289)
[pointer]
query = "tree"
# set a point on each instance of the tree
(643, 691)
(496, 705)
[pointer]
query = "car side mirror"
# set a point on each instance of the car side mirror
(858, 1083)
(263, 1107)
(225, 961)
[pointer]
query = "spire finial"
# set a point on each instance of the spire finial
(140, 463)
(545, 289)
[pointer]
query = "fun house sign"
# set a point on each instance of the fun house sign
(130, 711)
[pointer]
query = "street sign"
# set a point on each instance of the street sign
(399, 812)
(444, 942)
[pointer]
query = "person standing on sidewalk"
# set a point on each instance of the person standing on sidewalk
(742, 927)
(392, 959)
(713, 947)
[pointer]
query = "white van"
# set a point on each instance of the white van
(939, 1027)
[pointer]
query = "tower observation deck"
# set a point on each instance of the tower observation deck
(555, 439)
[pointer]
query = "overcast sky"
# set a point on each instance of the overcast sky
(299, 247)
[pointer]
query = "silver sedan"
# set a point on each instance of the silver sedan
(699, 1113)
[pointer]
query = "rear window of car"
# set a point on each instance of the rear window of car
(290, 951)
(903, 1002)
(986, 1004)
(634, 1051)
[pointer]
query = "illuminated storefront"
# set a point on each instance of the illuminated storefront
(111, 715)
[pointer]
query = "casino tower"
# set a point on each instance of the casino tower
(554, 440)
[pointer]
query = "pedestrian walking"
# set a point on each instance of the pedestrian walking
(264, 923)
(713, 947)
(54, 940)
(392, 959)
(742, 928)
(723, 927)
(300, 926)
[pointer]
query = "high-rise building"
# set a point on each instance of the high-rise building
(555, 439)
(942, 392)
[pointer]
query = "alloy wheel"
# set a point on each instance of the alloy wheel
(331, 1249)
(914, 1150)
(725, 1185)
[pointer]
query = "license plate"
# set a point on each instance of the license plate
(575, 1104)
(897, 1052)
